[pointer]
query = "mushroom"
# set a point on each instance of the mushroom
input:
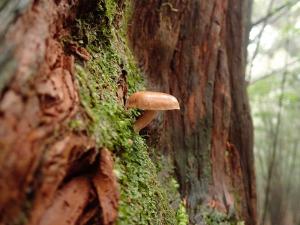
(151, 102)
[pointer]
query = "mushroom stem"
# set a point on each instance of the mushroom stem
(144, 120)
(151, 102)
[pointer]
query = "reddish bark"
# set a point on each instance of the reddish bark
(67, 204)
(106, 186)
(195, 50)
(40, 155)
(57, 164)
(40, 96)
(192, 49)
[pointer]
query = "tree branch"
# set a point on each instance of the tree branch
(274, 72)
(275, 143)
(274, 12)
(265, 22)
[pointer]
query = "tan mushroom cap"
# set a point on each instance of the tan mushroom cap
(148, 100)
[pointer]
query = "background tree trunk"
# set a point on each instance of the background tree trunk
(196, 51)
(192, 49)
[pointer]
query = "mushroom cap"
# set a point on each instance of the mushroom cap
(148, 100)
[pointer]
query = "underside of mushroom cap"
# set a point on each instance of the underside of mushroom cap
(148, 100)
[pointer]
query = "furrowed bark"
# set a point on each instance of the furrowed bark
(195, 50)
(192, 49)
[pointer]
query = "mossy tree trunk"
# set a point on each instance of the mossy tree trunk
(51, 173)
(66, 71)
(196, 50)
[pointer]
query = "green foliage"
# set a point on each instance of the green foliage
(261, 88)
(275, 102)
(143, 199)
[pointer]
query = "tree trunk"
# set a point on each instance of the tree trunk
(49, 173)
(196, 50)
(65, 74)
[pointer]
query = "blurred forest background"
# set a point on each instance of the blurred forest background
(273, 77)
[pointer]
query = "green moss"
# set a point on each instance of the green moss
(181, 215)
(213, 217)
(166, 177)
(143, 199)
(100, 30)
(110, 8)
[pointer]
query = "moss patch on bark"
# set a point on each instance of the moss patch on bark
(104, 81)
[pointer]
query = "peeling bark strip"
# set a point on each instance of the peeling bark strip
(57, 163)
(107, 188)
(195, 50)
(68, 203)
